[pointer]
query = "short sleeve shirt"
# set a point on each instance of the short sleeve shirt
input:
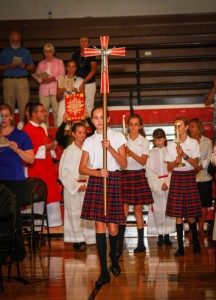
(139, 146)
(11, 165)
(6, 57)
(190, 148)
(93, 146)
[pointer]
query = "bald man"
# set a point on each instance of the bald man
(15, 64)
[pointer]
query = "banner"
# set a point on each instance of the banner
(74, 106)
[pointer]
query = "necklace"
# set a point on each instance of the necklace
(82, 62)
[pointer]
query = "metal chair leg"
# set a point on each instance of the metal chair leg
(1, 280)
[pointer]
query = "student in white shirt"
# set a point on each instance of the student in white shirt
(77, 231)
(183, 199)
(93, 202)
(135, 186)
(159, 180)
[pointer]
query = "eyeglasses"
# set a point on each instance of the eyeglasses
(43, 110)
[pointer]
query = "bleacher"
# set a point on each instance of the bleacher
(169, 59)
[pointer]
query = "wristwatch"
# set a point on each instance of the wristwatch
(186, 157)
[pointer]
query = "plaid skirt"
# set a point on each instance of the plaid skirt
(135, 188)
(183, 198)
(93, 208)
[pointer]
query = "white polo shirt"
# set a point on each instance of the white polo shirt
(190, 148)
(139, 146)
(93, 146)
(206, 149)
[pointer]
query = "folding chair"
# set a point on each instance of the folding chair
(27, 224)
(8, 249)
(39, 196)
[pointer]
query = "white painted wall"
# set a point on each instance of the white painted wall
(38, 9)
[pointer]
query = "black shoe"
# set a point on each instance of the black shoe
(119, 253)
(79, 246)
(179, 252)
(196, 247)
(103, 279)
(140, 249)
(167, 240)
(160, 241)
(83, 245)
(76, 246)
(116, 270)
(168, 243)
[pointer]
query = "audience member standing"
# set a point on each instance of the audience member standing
(15, 64)
(19, 150)
(53, 68)
(69, 84)
(43, 166)
(87, 67)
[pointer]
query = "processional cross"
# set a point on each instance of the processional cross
(104, 89)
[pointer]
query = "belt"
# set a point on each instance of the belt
(163, 176)
(15, 77)
(81, 180)
(108, 170)
(133, 171)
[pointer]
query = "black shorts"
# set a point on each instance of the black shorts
(205, 191)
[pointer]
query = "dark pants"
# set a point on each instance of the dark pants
(18, 189)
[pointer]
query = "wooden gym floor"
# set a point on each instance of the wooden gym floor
(61, 273)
